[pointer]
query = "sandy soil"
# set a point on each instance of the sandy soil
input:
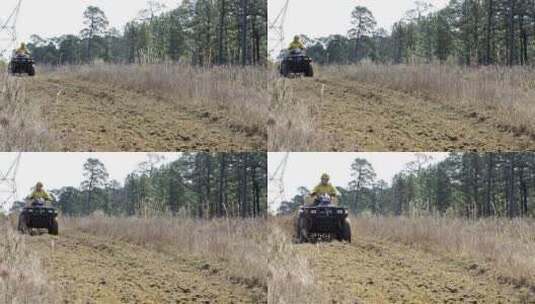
(88, 269)
(371, 271)
(364, 117)
(86, 116)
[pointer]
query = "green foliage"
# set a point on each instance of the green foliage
(290, 207)
(465, 184)
(203, 185)
(469, 32)
(202, 32)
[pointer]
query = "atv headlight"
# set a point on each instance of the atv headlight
(340, 211)
(30, 210)
(313, 211)
(301, 211)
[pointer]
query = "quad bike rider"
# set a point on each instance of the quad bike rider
(295, 61)
(36, 215)
(39, 193)
(22, 50)
(323, 220)
(296, 44)
(22, 62)
(324, 187)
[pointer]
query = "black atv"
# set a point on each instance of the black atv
(296, 62)
(21, 64)
(322, 221)
(38, 216)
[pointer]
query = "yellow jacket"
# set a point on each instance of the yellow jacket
(36, 195)
(322, 189)
(22, 50)
(296, 44)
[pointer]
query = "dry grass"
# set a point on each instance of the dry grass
(22, 279)
(291, 279)
(240, 244)
(240, 93)
(505, 246)
(21, 125)
(291, 126)
(508, 92)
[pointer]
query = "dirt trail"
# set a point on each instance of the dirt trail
(371, 271)
(87, 116)
(88, 269)
(363, 117)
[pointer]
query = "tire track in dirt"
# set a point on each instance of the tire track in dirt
(87, 116)
(370, 271)
(363, 117)
(87, 269)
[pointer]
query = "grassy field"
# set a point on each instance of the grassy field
(420, 260)
(505, 246)
(508, 91)
(160, 107)
(370, 107)
(104, 259)
(240, 93)
(291, 279)
(22, 127)
(292, 125)
(240, 244)
(22, 277)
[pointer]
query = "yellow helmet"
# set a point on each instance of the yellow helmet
(23, 45)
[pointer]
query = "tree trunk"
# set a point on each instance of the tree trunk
(510, 185)
(222, 177)
(243, 22)
(222, 13)
(490, 15)
(209, 201)
(523, 193)
(511, 33)
(488, 208)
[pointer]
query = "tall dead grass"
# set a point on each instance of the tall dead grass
(239, 92)
(509, 92)
(291, 279)
(291, 125)
(21, 125)
(240, 243)
(505, 246)
(22, 279)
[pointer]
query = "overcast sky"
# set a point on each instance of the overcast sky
(318, 18)
(305, 169)
(52, 18)
(57, 170)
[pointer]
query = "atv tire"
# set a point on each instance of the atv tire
(21, 226)
(309, 71)
(31, 70)
(345, 234)
(54, 228)
(284, 70)
(302, 234)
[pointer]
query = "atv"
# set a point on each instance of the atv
(38, 216)
(322, 221)
(21, 64)
(296, 62)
